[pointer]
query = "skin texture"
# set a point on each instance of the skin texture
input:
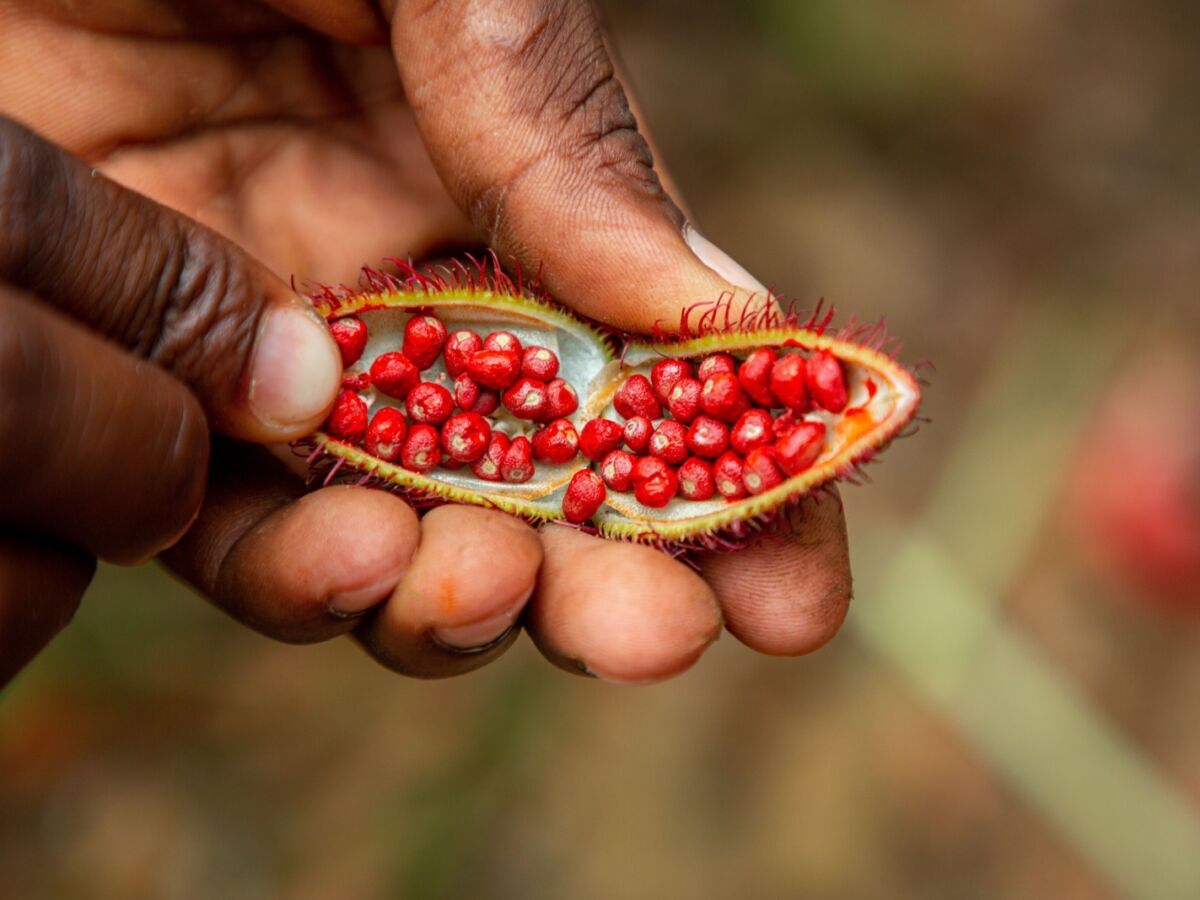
(285, 138)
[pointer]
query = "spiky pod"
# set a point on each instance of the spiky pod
(880, 398)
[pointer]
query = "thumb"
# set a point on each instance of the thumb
(530, 129)
(258, 358)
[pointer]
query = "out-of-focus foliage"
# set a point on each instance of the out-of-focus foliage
(991, 176)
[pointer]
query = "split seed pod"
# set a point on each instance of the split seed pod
(612, 380)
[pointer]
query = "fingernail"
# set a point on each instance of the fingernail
(351, 604)
(720, 261)
(296, 368)
(481, 635)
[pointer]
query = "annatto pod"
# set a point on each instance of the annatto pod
(785, 408)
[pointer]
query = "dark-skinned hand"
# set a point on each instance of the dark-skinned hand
(148, 346)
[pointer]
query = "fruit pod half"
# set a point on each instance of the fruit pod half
(471, 391)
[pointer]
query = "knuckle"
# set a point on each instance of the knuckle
(197, 322)
(24, 169)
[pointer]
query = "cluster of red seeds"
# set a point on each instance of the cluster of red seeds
(448, 419)
(718, 427)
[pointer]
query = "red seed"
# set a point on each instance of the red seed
(503, 340)
(786, 421)
(424, 337)
(452, 464)
(422, 449)
(488, 466)
(826, 381)
(761, 472)
(753, 429)
(429, 403)
(665, 373)
(517, 465)
(708, 437)
(800, 447)
(684, 400)
(496, 369)
(669, 442)
(755, 376)
(654, 482)
(394, 374)
(637, 433)
(599, 437)
(348, 419)
(466, 392)
(585, 493)
(350, 335)
(717, 363)
(526, 399)
(461, 345)
(385, 434)
(561, 399)
(788, 377)
(356, 381)
(539, 362)
(488, 403)
(723, 398)
(556, 443)
(727, 472)
(617, 470)
(696, 481)
(636, 398)
(465, 436)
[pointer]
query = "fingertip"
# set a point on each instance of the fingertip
(788, 593)
(625, 613)
(294, 375)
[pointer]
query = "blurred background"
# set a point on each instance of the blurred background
(1013, 709)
